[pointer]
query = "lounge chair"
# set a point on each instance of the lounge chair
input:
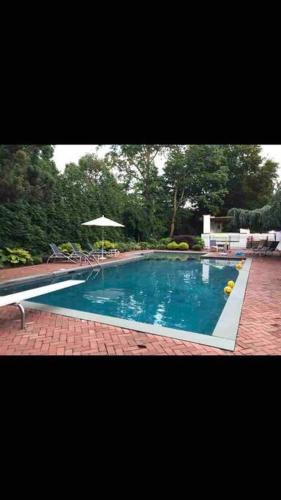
(254, 244)
(58, 254)
(261, 247)
(113, 252)
(79, 254)
(98, 252)
(91, 251)
(277, 250)
(272, 246)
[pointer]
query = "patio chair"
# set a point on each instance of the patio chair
(94, 251)
(79, 254)
(113, 252)
(97, 252)
(254, 244)
(223, 245)
(58, 254)
(261, 247)
(219, 245)
(277, 250)
(108, 253)
(213, 245)
(272, 246)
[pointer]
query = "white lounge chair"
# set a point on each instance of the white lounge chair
(15, 299)
(213, 245)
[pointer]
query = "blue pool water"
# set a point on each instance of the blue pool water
(175, 292)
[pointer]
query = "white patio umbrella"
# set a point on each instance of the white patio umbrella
(102, 222)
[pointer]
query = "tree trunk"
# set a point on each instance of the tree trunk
(174, 214)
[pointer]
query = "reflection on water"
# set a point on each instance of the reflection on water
(172, 291)
(205, 272)
(103, 295)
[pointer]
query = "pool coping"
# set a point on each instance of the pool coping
(225, 331)
(134, 256)
(228, 322)
(197, 338)
(34, 277)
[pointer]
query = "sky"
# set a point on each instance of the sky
(66, 153)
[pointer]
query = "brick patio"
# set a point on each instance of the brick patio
(51, 334)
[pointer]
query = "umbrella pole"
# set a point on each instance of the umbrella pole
(102, 242)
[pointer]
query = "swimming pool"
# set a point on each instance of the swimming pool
(175, 295)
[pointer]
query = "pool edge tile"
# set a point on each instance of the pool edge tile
(228, 322)
(197, 338)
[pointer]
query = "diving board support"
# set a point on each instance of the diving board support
(15, 299)
(22, 310)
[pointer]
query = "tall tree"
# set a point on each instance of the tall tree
(135, 165)
(176, 178)
(251, 179)
(197, 174)
(26, 172)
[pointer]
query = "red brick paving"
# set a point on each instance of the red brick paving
(51, 334)
(21, 272)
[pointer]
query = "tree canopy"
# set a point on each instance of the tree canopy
(261, 219)
(198, 175)
(39, 204)
(251, 180)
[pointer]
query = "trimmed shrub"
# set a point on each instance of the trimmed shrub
(172, 246)
(186, 238)
(183, 246)
(199, 244)
(197, 247)
(200, 241)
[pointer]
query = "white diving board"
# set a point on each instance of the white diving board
(16, 298)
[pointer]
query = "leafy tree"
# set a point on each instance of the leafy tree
(251, 179)
(208, 177)
(28, 181)
(176, 178)
(92, 190)
(197, 174)
(135, 166)
(27, 172)
(260, 219)
(38, 204)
